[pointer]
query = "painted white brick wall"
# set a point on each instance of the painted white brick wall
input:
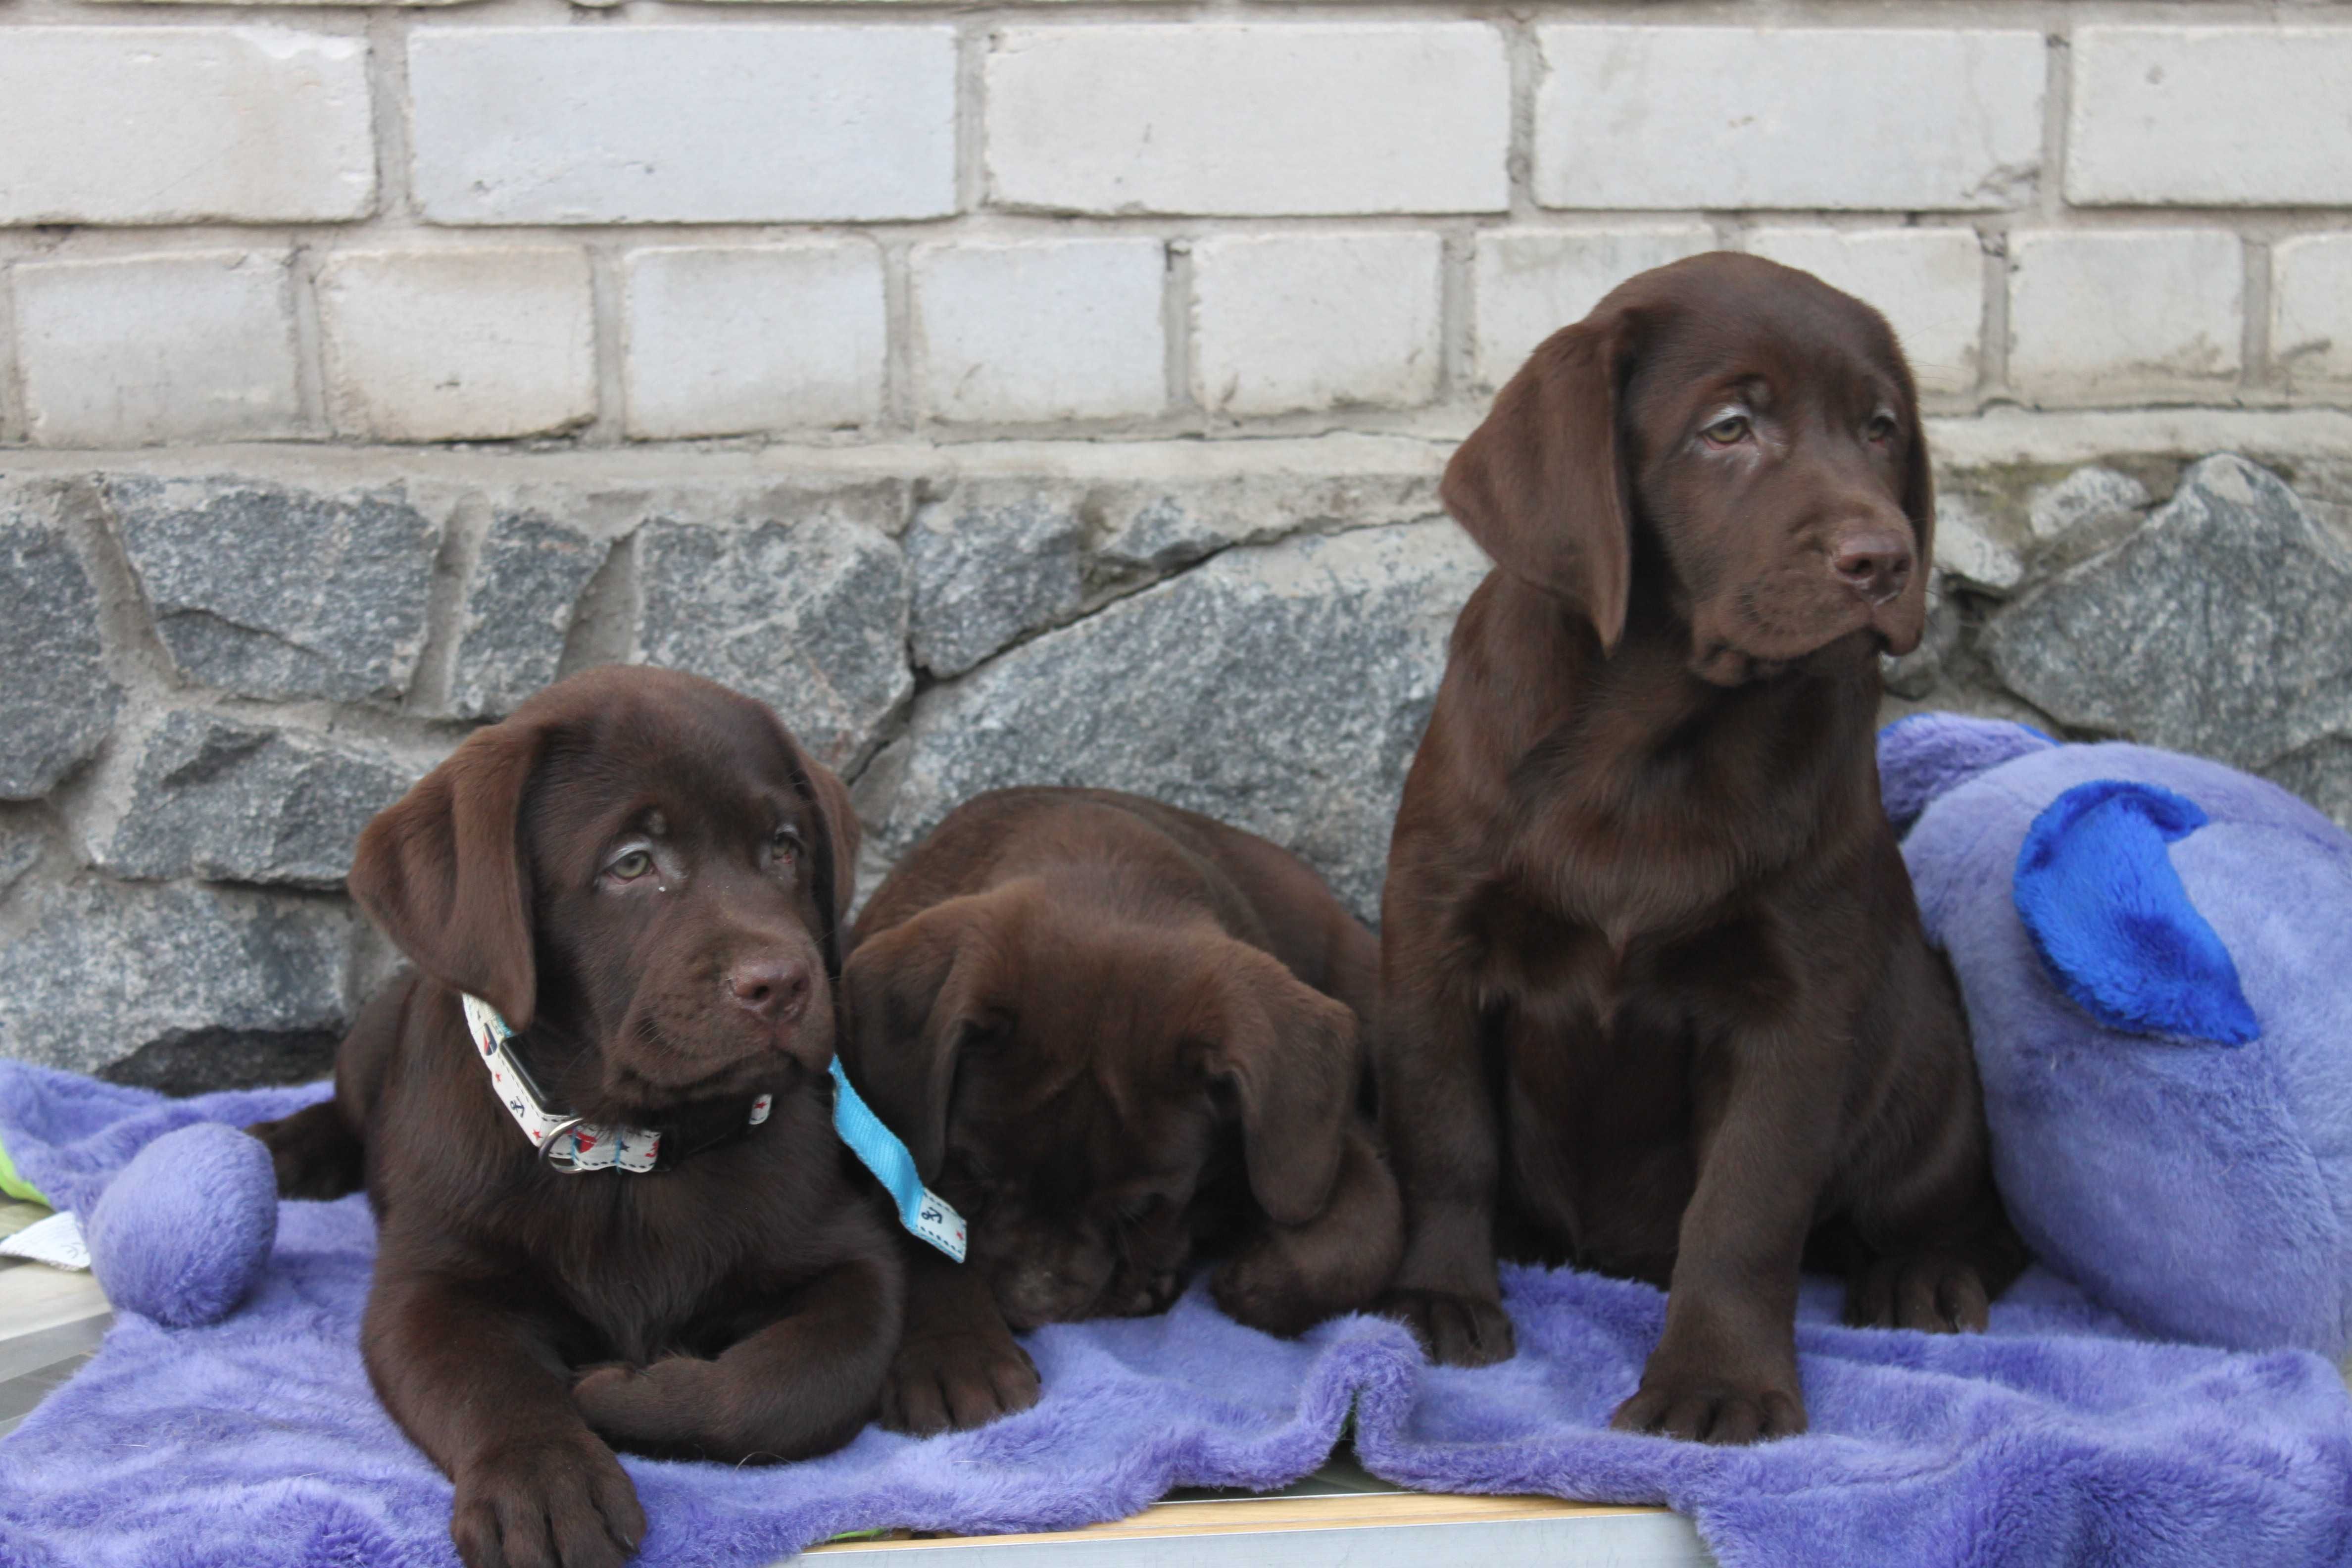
(446, 345)
(2311, 308)
(1528, 286)
(724, 340)
(1313, 117)
(1801, 117)
(189, 347)
(1927, 282)
(683, 125)
(2122, 316)
(1042, 330)
(505, 220)
(1317, 321)
(154, 125)
(2212, 116)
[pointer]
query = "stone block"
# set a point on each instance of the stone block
(2248, 116)
(227, 801)
(1249, 117)
(1282, 688)
(1146, 529)
(1927, 282)
(453, 345)
(191, 346)
(517, 610)
(2222, 626)
(1037, 330)
(1972, 549)
(106, 970)
(268, 591)
(804, 606)
(723, 339)
(991, 561)
(1527, 284)
(58, 702)
(2311, 309)
(2093, 506)
(22, 845)
(2113, 314)
(683, 125)
(1316, 321)
(190, 124)
(1902, 119)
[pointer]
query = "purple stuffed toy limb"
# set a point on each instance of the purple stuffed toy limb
(2156, 953)
(182, 1232)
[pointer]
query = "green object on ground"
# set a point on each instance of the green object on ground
(15, 1185)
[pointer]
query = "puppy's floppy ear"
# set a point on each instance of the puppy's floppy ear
(1919, 506)
(833, 856)
(1541, 484)
(441, 870)
(918, 993)
(1289, 1054)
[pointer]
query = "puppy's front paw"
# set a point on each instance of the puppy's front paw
(679, 1406)
(554, 1503)
(1929, 1290)
(955, 1381)
(1455, 1329)
(1701, 1407)
(1263, 1288)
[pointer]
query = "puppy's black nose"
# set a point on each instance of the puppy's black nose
(774, 988)
(1874, 565)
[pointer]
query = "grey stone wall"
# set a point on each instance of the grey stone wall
(214, 670)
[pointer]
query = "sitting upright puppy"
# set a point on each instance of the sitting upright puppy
(1115, 1033)
(633, 1217)
(1654, 994)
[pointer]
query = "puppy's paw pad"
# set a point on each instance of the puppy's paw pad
(560, 1504)
(955, 1383)
(1709, 1411)
(1454, 1329)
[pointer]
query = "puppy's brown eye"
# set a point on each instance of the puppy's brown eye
(785, 845)
(1882, 427)
(632, 866)
(1728, 431)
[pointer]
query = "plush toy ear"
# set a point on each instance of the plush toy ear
(2106, 911)
(1926, 754)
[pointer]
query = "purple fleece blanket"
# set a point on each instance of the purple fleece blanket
(2056, 1438)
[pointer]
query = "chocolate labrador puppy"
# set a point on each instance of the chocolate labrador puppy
(1655, 995)
(1115, 1034)
(647, 879)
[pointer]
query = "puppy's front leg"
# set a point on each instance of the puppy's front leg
(802, 1385)
(1725, 1370)
(1294, 1277)
(959, 1366)
(478, 1384)
(1441, 1134)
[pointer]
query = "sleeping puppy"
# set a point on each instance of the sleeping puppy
(1655, 997)
(1115, 1034)
(646, 878)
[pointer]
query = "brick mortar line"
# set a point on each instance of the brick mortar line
(1783, 15)
(608, 346)
(15, 414)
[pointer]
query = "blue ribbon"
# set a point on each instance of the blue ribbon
(920, 1210)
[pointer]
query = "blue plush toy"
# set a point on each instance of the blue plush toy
(2156, 956)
